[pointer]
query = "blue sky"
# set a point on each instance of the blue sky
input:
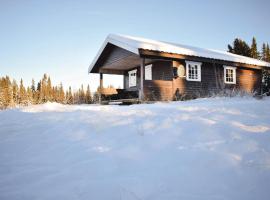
(61, 37)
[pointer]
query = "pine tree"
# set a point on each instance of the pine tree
(15, 90)
(253, 50)
(267, 53)
(61, 94)
(263, 53)
(6, 93)
(22, 94)
(43, 90)
(69, 96)
(88, 98)
(239, 47)
(29, 95)
(33, 90)
(76, 99)
(81, 95)
(38, 93)
(49, 89)
(54, 94)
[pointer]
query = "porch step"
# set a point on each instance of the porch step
(121, 101)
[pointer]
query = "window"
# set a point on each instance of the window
(148, 72)
(132, 78)
(229, 75)
(193, 70)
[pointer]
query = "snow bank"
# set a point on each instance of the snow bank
(206, 149)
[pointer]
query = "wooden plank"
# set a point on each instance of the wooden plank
(111, 71)
(142, 79)
(100, 85)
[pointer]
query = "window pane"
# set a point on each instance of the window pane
(229, 76)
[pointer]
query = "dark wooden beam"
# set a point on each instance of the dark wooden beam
(100, 86)
(142, 79)
(111, 71)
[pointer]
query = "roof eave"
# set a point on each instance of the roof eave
(112, 39)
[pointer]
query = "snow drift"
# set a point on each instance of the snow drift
(207, 149)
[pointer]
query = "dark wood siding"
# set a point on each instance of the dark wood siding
(114, 54)
(212, 81)
(160, 87)
(165, 87)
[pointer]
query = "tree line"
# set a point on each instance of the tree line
(241, 47)
(12, 94)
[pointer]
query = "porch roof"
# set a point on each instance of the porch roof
(135, 44)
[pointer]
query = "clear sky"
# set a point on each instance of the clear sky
(61, 37)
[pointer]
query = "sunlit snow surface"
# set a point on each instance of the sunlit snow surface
(205, 149)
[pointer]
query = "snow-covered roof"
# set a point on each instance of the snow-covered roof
(133, 44)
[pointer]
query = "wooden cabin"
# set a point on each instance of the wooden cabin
(159, 71)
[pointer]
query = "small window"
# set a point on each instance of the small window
(132, 78)
(193, 70)
(229, 75)
(148, 72)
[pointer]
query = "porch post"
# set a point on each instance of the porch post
(141, 95)
(100, 86)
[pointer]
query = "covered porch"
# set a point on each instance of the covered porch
(118, 61)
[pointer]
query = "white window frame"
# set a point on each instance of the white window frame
(132, 79)
(192, 64)
(148, 72)
(234, 74)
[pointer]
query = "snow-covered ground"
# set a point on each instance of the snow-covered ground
(205, 149)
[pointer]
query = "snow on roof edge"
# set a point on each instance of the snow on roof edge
(133, 44)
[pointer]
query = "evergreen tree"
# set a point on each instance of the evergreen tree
(43, 89)
(29, 95)
(263, 53)
(253, 50)
(61, 94)
(6, 93)
(96, 97)
(81, 95)
(88, 98)
(76, 99)
(239, 47)
(22, 94)
(33, 90)
(15, 90)
(54, 94)
(267, 53)
(38, 93)
(266, 82)
(49, 90)
(69, 96)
